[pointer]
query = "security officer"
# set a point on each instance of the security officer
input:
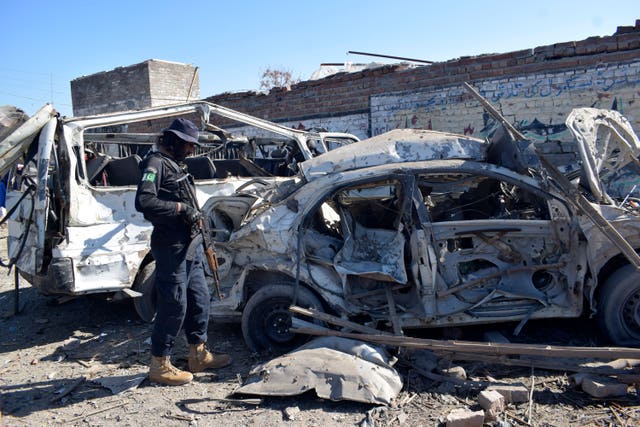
(182, 291)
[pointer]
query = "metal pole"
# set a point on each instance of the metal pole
(424, 61)
(16, 295)
(193, 79)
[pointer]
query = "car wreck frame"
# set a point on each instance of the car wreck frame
(479, 232)
(73, 228)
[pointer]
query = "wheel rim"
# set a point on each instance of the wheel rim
(631, 313)
(278, 321)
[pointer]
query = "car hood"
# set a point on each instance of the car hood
(606, 143)
(17, 132)
(396, 146)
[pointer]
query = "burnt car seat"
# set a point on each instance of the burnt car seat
(200, 167)
(124, 171)
(95, 166)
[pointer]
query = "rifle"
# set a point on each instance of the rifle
(204, 230)
(210, 254)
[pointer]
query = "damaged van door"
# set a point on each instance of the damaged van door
(33, 141)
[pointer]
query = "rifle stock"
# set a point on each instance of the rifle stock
(210, 254)
(203, 229)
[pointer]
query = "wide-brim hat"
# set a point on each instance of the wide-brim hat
(185, 130)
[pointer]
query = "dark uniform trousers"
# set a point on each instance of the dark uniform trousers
(182, 293)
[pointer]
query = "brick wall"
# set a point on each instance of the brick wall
(172, 82)
(534, 88)
(124, 88)
(537, 103)
(147, 84)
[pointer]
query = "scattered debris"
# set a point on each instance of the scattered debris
(513, 393)
(492, 402)
(81, 417)
(291, 412)
(249, 402)
(464, 417)
(83, 363)
(407, 400)
(67, 389)
(375, 417)
(402, 418)
(602, 387)
(425, 360)
(122, 383)
(180, 417)
(533, 381)
(71, 344)
(576, 379)
(336, 368)
(456, 372)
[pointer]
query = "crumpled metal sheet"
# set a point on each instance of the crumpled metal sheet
(118, 384)
(606, 143)
(375, 253)
(336, 368)
(396, 146)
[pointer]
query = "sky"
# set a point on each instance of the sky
(46, 44)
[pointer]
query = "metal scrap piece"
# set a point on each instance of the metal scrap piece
(121, 383)
(606, 143)
(336, 368)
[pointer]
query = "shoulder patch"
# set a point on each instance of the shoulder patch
(149, 174)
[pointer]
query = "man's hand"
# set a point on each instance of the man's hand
(190, 215)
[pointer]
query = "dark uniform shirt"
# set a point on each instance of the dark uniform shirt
(161, 188)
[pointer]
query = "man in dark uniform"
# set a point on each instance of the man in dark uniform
(165, 199)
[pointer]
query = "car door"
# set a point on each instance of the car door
(495, 249)
(358, 231)
(371, 218)
(28, 188)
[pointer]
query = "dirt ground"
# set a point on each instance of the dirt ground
(66, 364)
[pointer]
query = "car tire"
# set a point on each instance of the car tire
(144, 283)
(619, 307)
(266, 318)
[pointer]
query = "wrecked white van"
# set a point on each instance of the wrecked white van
(417, 228)
(73, 228)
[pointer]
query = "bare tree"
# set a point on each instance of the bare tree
(273, 77)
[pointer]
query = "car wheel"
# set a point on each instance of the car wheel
(619, 307)
(266, 318)
(145, 284)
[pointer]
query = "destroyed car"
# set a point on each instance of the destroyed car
(73, 228)
(418, 228)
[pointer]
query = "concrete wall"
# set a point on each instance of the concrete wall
(147, 84)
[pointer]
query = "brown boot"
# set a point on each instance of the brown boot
(162, 371)
(200, 358)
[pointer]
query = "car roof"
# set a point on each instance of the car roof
(396, 146)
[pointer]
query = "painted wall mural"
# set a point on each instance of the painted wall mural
(535, 104)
